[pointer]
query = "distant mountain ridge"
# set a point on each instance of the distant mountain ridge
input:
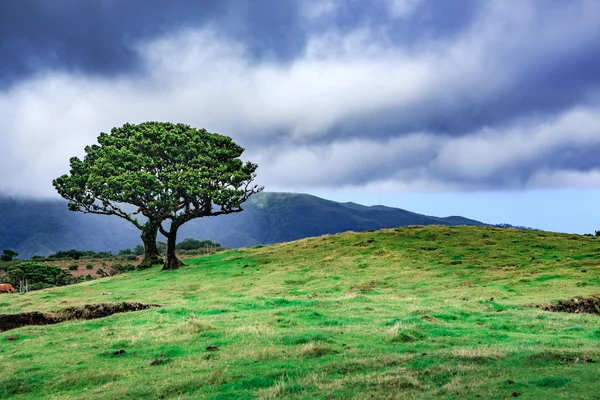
(41, 227)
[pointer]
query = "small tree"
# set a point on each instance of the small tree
(138, 250)
(189, 244)
(171, 173)
(8, 255)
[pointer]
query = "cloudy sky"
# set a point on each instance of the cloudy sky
(488, 109)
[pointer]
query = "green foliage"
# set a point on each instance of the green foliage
(194, 244)
(73, 254)
(119, 269)
(130, 254)
(101, 272)
(167, 171)
(162, 247)
(138, 250)
(38, 275)
(89, 266)
(8, 255)
(73, 267)
(300, 326)
(78, 254)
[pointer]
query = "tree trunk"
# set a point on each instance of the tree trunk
(151, 253)
(172, 262)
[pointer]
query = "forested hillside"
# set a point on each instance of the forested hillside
(41, 227)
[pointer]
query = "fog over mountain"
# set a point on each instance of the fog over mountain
(41, 227)
(327, 96)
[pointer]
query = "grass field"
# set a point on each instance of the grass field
(415, 312)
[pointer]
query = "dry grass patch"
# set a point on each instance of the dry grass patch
(479, 353)
(193, 325)
(254, 330)
(316, 350)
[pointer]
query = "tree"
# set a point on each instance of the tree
(138, 250)
(194, 244)
(8, 255)
(90, 191)
(170, 173)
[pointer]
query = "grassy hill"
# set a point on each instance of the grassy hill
(413, 312)
(42, 227)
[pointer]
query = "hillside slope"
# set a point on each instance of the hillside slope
(414, 312)
(41, 227)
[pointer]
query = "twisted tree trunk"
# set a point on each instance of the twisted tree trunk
(172, 262)
(151, 253)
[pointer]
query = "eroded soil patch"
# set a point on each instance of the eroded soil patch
(88, 311)
(590, 305)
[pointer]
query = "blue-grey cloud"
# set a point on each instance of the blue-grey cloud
(391, 94)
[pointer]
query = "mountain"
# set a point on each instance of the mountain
(45, 226)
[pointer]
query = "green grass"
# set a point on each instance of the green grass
(415, 312)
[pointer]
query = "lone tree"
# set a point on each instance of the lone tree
(169, 173)
(8, 255)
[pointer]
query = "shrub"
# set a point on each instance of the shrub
(39, 286)
(38, 275)
(73, 267)
(139, 250)
(101, 272)
(89, 266)
(8, 255)
(119, 269)
(128, 268)
(193, 244)
(125, 252)
(131, 257)
(77, 254)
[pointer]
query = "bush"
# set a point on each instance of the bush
(128, 268)
(77, 254)
(39, 286)
(101, 272)
(193, 244)
(125, 252)
(132, 257)
(8, 255)
(139, 250)
(73, 267)
(119, 269)
(101, 254)
(38, 275)
(89, 266)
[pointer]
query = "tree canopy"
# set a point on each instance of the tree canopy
(195, 244)
(169, 173)
(8, 255)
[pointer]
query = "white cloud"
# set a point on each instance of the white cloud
(403, 8)
(319, 9)
(504, 151)
(289, 115)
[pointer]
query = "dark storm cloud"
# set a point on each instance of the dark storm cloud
(385, 95)
(98, 36)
